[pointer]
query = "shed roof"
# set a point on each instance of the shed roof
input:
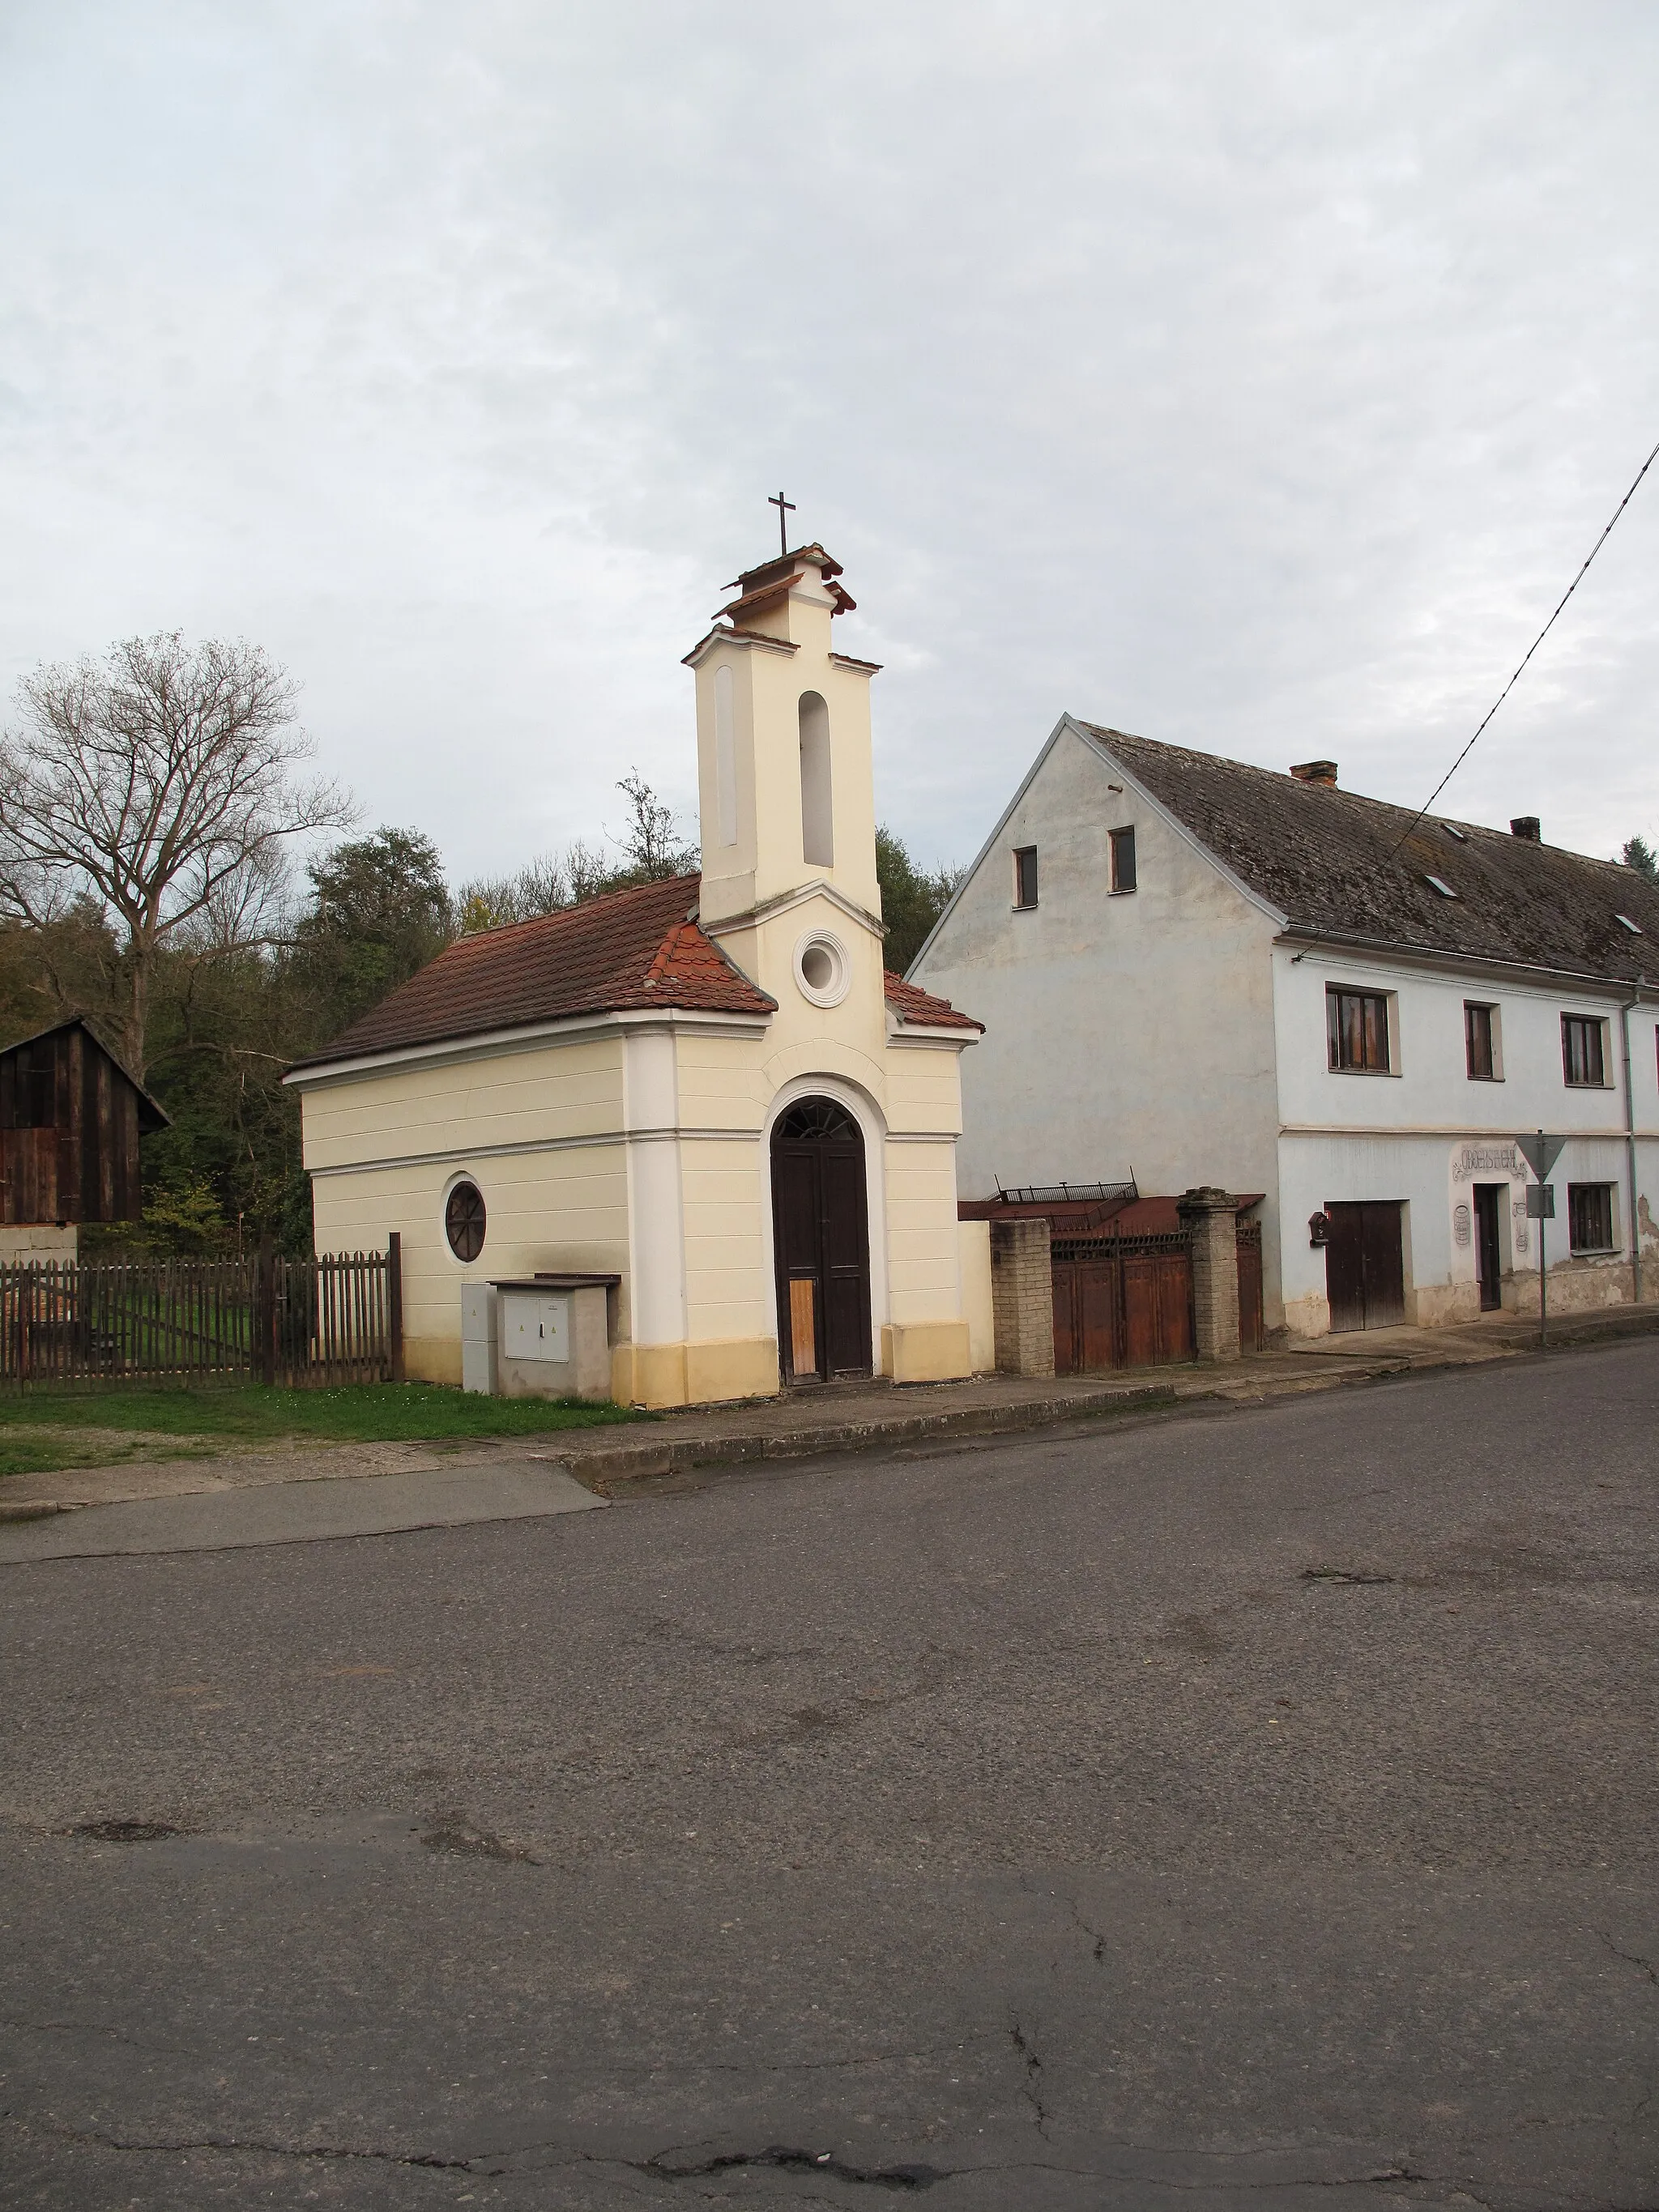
(1326, 859)
(630, 950)
(152, 1115)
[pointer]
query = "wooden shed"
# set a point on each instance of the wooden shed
(71, 1119)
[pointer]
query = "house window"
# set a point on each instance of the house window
(1026, 888)
(1123, 861)
(1590, 1216)
(1582, 1056)
(1357, 1031)
(1480, 1043)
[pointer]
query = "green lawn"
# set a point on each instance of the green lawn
(40, 1451)
(364, 1412)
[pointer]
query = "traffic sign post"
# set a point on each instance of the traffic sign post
(1540, 1153)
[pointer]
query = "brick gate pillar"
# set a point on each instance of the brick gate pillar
(1210, 1217)
(1023, 1298)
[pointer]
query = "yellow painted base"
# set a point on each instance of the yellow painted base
(658, 1375)
(433, 1359)
(926, 1351)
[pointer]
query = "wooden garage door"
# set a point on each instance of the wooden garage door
(1122, 1302)
(1365, 1265)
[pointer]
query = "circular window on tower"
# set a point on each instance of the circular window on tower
(824, 972)
(463, 1220)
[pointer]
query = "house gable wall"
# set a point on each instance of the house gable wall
(1121, 1032)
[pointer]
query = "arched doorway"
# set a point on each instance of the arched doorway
(821, 1243)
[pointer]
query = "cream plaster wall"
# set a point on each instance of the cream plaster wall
(545, 1210)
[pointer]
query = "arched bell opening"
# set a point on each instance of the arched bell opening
(818, 813)
(821, 1243)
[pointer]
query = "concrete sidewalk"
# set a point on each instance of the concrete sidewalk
(837, 1417)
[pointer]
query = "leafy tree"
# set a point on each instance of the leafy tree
(1640, 855)
(380, 909)
(156, 785)
(912, 900)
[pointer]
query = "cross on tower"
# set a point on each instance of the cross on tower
(786, 507)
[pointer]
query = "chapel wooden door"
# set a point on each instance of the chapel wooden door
(1365, 1266)
(821, 1243)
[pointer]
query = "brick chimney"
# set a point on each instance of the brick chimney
(1526, 826)
(1319, 772)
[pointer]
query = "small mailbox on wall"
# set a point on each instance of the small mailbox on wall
(552, 1336)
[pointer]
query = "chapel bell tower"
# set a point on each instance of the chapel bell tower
(785, 793)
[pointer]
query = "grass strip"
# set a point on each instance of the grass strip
(359, 1412)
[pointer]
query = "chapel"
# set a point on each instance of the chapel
(706, 1093)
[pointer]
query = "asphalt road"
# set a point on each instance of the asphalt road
(1253, 1809)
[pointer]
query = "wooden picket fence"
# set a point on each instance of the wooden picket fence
(260, 1319)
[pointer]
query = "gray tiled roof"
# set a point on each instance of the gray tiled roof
(1326, 859)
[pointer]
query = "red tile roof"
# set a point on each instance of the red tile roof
(920, 1008)
(633, 949)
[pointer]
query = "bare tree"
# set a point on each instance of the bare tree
(652, 841)
(160, 782)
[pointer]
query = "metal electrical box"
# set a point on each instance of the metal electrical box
(478, 1338)
(553, 1336)
(533, 1326)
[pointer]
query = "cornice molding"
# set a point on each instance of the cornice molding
(494, 1044)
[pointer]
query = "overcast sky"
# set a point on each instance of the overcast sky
(1254, 378)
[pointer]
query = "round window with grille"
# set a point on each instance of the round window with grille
(463, 1220)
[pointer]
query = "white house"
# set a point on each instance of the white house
(1203, 972)
(706, 1093)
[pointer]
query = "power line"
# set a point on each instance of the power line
(1530, 650)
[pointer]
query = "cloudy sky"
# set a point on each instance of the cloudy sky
(1254, 378)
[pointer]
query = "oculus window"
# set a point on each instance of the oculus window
(463, 1220)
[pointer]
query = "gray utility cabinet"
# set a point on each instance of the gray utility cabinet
(538, 1336)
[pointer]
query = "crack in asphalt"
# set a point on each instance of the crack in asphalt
(783, 2157)
(252, 2145)
(1631, 1958)
(1033, 2065)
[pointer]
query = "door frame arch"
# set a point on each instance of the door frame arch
(872, 1127)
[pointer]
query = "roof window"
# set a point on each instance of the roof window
(1634, 927)
(1462, 836)
(1439, 884)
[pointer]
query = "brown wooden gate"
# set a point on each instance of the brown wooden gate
(1365, 1265)
(1252, 1332)
(1121, 1301)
